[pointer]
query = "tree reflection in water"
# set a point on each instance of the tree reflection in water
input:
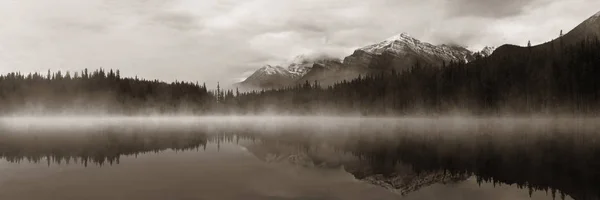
(557, 159)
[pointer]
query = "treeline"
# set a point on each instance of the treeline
(546, 79)
(98, 91)
(550, 79)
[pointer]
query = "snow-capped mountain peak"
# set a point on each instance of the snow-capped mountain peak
(302, 64)
(400, 37)
(268, 76)
(487, 51)
(404, 44)
(394, 43)
(271, 70)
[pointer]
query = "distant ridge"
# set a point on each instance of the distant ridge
(398, 53)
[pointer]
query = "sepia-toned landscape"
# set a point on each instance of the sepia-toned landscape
(143, 100)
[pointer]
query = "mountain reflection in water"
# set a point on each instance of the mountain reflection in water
(560, 157)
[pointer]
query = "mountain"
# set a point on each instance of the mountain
(302, 64)
(396, 53)
(326, 72)
(555, 78)
(268, 77)
(402, 51)
(588, 29)
(485, 52)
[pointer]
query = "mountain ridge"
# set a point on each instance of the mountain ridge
(588, 29)
(401, 52)
(328, 70)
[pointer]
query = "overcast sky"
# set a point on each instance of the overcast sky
(225, 40)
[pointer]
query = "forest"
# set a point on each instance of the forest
(547, 79)
(98, 92)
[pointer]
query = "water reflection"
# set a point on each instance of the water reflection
(225, 173)
(558, 157)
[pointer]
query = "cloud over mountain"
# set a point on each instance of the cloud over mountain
(221, 40)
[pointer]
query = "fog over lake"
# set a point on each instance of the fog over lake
(268, 157)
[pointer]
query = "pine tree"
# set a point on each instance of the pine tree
(561, 33)
(561, 39)
(218, 92)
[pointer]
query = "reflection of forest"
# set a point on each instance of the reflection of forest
(560, 161)
(402, 180)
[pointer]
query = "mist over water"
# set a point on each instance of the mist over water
(446, 123)
(407, 157)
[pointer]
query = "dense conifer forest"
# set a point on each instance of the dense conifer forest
(98, 92)
(546, 79)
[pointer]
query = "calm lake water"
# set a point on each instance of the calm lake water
(298, 158)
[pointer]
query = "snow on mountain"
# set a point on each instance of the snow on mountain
(402, 52)
(302, 64)
(405, 44)
(485, 52)
(268, 77)
(272, 70)
(276, 76)
(399, 52)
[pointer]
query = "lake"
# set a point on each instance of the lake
(268, 157)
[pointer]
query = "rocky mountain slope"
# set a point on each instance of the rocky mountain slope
(485, 52)
(403, 51)
(396, 53)
(399, 53)
(302, 64)
(270, 77)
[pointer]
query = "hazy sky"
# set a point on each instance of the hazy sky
(225, 40)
